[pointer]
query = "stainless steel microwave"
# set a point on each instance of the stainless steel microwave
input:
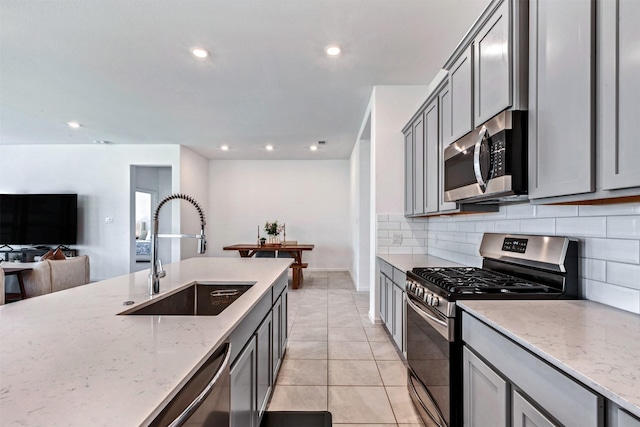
(489, 164)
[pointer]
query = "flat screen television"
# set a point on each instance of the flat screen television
(38, 219)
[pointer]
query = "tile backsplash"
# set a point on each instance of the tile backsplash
(609, 238)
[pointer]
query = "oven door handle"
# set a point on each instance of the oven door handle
(438, 324)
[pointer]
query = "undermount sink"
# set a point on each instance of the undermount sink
(198, 299)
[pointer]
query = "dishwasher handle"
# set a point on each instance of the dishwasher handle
(224, 366)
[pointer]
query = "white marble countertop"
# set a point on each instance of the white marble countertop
(408, 262)
(593, 343)
(67, 358)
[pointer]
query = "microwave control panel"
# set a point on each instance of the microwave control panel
(497, 158)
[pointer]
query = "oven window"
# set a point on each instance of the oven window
(428, 357)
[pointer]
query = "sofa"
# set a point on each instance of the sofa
(56, 275)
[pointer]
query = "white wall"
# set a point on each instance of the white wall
(194, 181)
(360, 168)
(609, 238)
(311, 197)
(100, 175)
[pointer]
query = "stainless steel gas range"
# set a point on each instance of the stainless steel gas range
(513, 267)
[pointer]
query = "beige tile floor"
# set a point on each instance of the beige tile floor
(337, 360)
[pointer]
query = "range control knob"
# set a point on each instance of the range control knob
(427, 299)
(435, 301)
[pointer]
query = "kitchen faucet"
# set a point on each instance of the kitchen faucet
(157, 272)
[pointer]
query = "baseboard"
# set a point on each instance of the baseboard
(375, 321)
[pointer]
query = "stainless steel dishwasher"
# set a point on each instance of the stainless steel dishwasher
(205, 399)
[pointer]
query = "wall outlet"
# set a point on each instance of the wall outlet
(397, 239)
(108, 220)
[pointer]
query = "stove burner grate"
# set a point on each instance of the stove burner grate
(471, 280)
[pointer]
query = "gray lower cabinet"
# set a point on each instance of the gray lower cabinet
(264, 372)
(398, 316)
(618, 417)
(561, 98)
(524, 414)
(259, 342)
(540, 394)
(485, 393)
(243, 388)
(391, 305)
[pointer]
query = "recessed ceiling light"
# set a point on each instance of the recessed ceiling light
(313, 148)
(74, 125)
(224, 148)
(332, 50)
(199, 52)
(101, 141)
(269, 147)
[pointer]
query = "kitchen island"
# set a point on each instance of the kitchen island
(68, 358)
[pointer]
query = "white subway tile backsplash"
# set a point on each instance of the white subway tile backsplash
(615, 296)
(485, 227)
(389, 226)
(538, 226)
(582, 227)
(626, 227)
(610, 210)
(593, 269)
(400, 250)
(609, 241)
(544, 211)
(507, 226)
(627, 275)
(523, 210)
(612, 250)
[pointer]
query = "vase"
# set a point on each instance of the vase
(274, 240)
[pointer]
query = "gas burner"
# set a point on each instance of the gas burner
(471, 280)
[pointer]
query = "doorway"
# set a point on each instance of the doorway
(149, 185)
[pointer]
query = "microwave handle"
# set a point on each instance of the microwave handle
(483, 135)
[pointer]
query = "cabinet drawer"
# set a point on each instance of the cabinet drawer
(386, 268)
(399, 278)
(279, 286)
(243, 333)
(566, 400)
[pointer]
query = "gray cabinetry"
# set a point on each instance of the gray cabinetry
(418, 166)
(243, 389)
(524, 414)
(618, 417)
(461, 102)
(392, 302)
(260, 342)
(485, 393)
(619, 92)
(548, 391)
(264, 373)
(444, 102)
(561, 95)
(408, 172)
(432, 155)
(492, 66)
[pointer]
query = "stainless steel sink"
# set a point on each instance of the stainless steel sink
(198, 299)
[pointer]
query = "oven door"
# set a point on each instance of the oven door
(430, 335)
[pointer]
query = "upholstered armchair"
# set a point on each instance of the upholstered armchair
(56, 275)
(1, 286)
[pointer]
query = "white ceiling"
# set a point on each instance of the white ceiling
(123, 69)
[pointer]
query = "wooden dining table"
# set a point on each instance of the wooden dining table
(294, 250)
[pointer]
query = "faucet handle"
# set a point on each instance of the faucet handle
(161, 273)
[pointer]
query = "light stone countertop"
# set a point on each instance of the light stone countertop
(597, 345)
(67, 358)
(408, 262)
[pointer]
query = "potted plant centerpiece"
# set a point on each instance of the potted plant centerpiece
(273, 229)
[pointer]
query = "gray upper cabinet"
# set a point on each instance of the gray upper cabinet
(561, 95)
(460, 104)
(492, 67)
(432, 155)
(408, 172)
(444, 99)
(418, 166)
(619, 95)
